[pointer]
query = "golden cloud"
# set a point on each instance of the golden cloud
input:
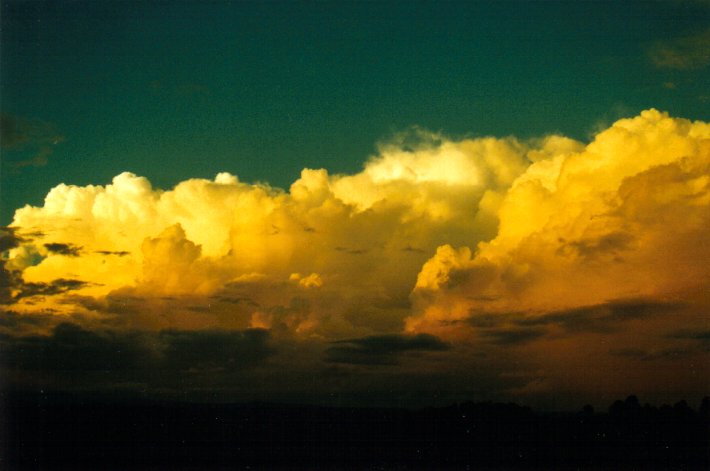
(335, 255)
(424, 239)
(625, 217)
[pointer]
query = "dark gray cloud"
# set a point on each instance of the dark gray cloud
(604, 317)
(514, 328)
(702, 337)
(118, 253)
(9, 238)
(214, 349)
(70, 250)
(101, 358)
(382, 349)
(488, 320)
(514, 336)
(644, 355)
(9, 279)
(12, 322)
(13, 287)
(58, 286)
(236, 300)
(609, 244)
(71, 348)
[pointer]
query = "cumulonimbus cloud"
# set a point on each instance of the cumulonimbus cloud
(426, 235)
(503, 261)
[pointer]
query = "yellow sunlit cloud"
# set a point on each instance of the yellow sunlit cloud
(626, 217)
(424, 236)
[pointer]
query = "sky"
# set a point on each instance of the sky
(392, 203)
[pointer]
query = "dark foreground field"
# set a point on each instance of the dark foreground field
(65, 432)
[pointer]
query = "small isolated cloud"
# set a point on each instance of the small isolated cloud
(685, 53)
(58, 286)
(117, 253)
(69, 250)
(27, 143)
(382, 349)
(311, 281)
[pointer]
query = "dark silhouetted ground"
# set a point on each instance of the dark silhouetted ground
(69, 432)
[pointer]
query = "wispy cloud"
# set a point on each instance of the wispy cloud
(684, 53)
(602, 317)
(27, 143)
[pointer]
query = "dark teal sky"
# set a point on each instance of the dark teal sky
(173, 90)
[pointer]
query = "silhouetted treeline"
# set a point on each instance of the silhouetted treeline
(64, 432)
